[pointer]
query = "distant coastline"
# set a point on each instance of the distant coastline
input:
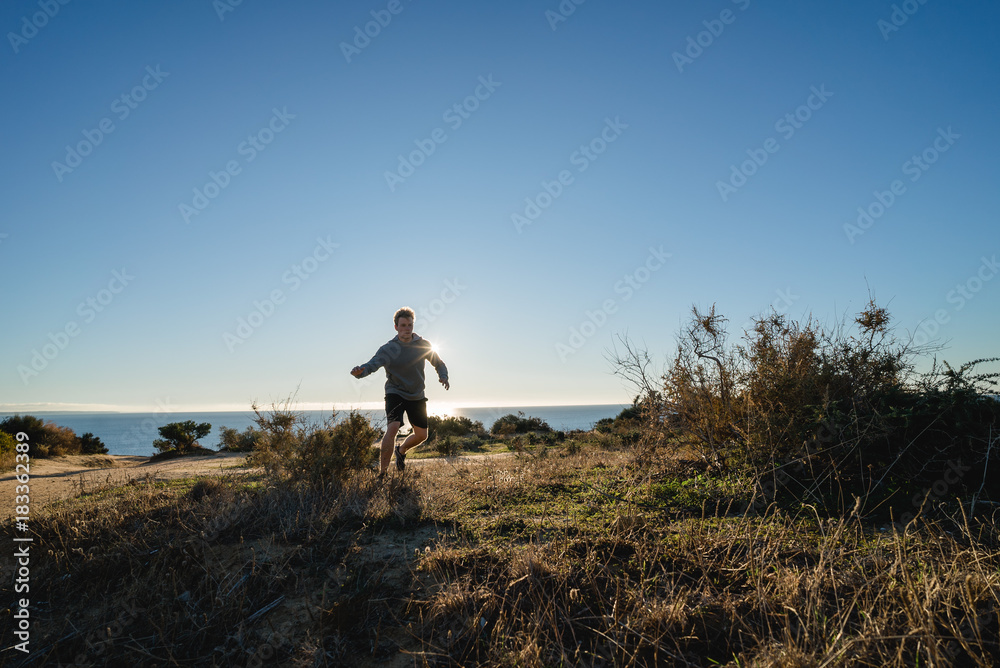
(128, 433)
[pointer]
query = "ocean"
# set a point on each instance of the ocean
(134, 433)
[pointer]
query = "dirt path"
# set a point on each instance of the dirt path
(65, 477)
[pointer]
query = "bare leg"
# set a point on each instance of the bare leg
(418, 436)
(388, 441)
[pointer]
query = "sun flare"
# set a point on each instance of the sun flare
(440, 409)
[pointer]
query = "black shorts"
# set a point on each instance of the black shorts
(416, 410)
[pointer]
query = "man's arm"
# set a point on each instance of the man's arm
(439, 366)
(371, 366)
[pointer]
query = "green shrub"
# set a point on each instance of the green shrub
(628, 437)
(449, 446)
(231, 440)
(92, 445)
(7, 443)
(516, 444)
(45, 439)
(630, 417)
(439, 427)
(32, 426)
(8, 452)
(518, 424)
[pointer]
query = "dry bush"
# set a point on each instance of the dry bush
(291, 450)
(821, 416)
(782, 386)
(699, 386)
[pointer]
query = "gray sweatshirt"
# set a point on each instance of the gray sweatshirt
(404, 366)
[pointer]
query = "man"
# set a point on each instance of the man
(403, 358)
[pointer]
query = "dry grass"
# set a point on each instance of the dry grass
(7, 461)
(101, 462)
(563, 559)
(217, 572)
(629, 586)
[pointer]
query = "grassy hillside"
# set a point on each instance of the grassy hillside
(560, 555)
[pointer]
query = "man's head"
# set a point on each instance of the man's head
(403, 321)
(405, 312)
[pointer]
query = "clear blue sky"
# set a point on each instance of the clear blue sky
(309, 129)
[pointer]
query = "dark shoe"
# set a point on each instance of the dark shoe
(400, 459)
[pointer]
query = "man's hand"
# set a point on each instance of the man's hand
(357, 371)
(444, 382)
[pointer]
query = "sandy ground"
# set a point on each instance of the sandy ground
(65, 477)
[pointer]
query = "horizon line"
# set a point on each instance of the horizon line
(240, 408)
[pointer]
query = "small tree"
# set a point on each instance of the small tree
(181, 436)
(92, 445)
